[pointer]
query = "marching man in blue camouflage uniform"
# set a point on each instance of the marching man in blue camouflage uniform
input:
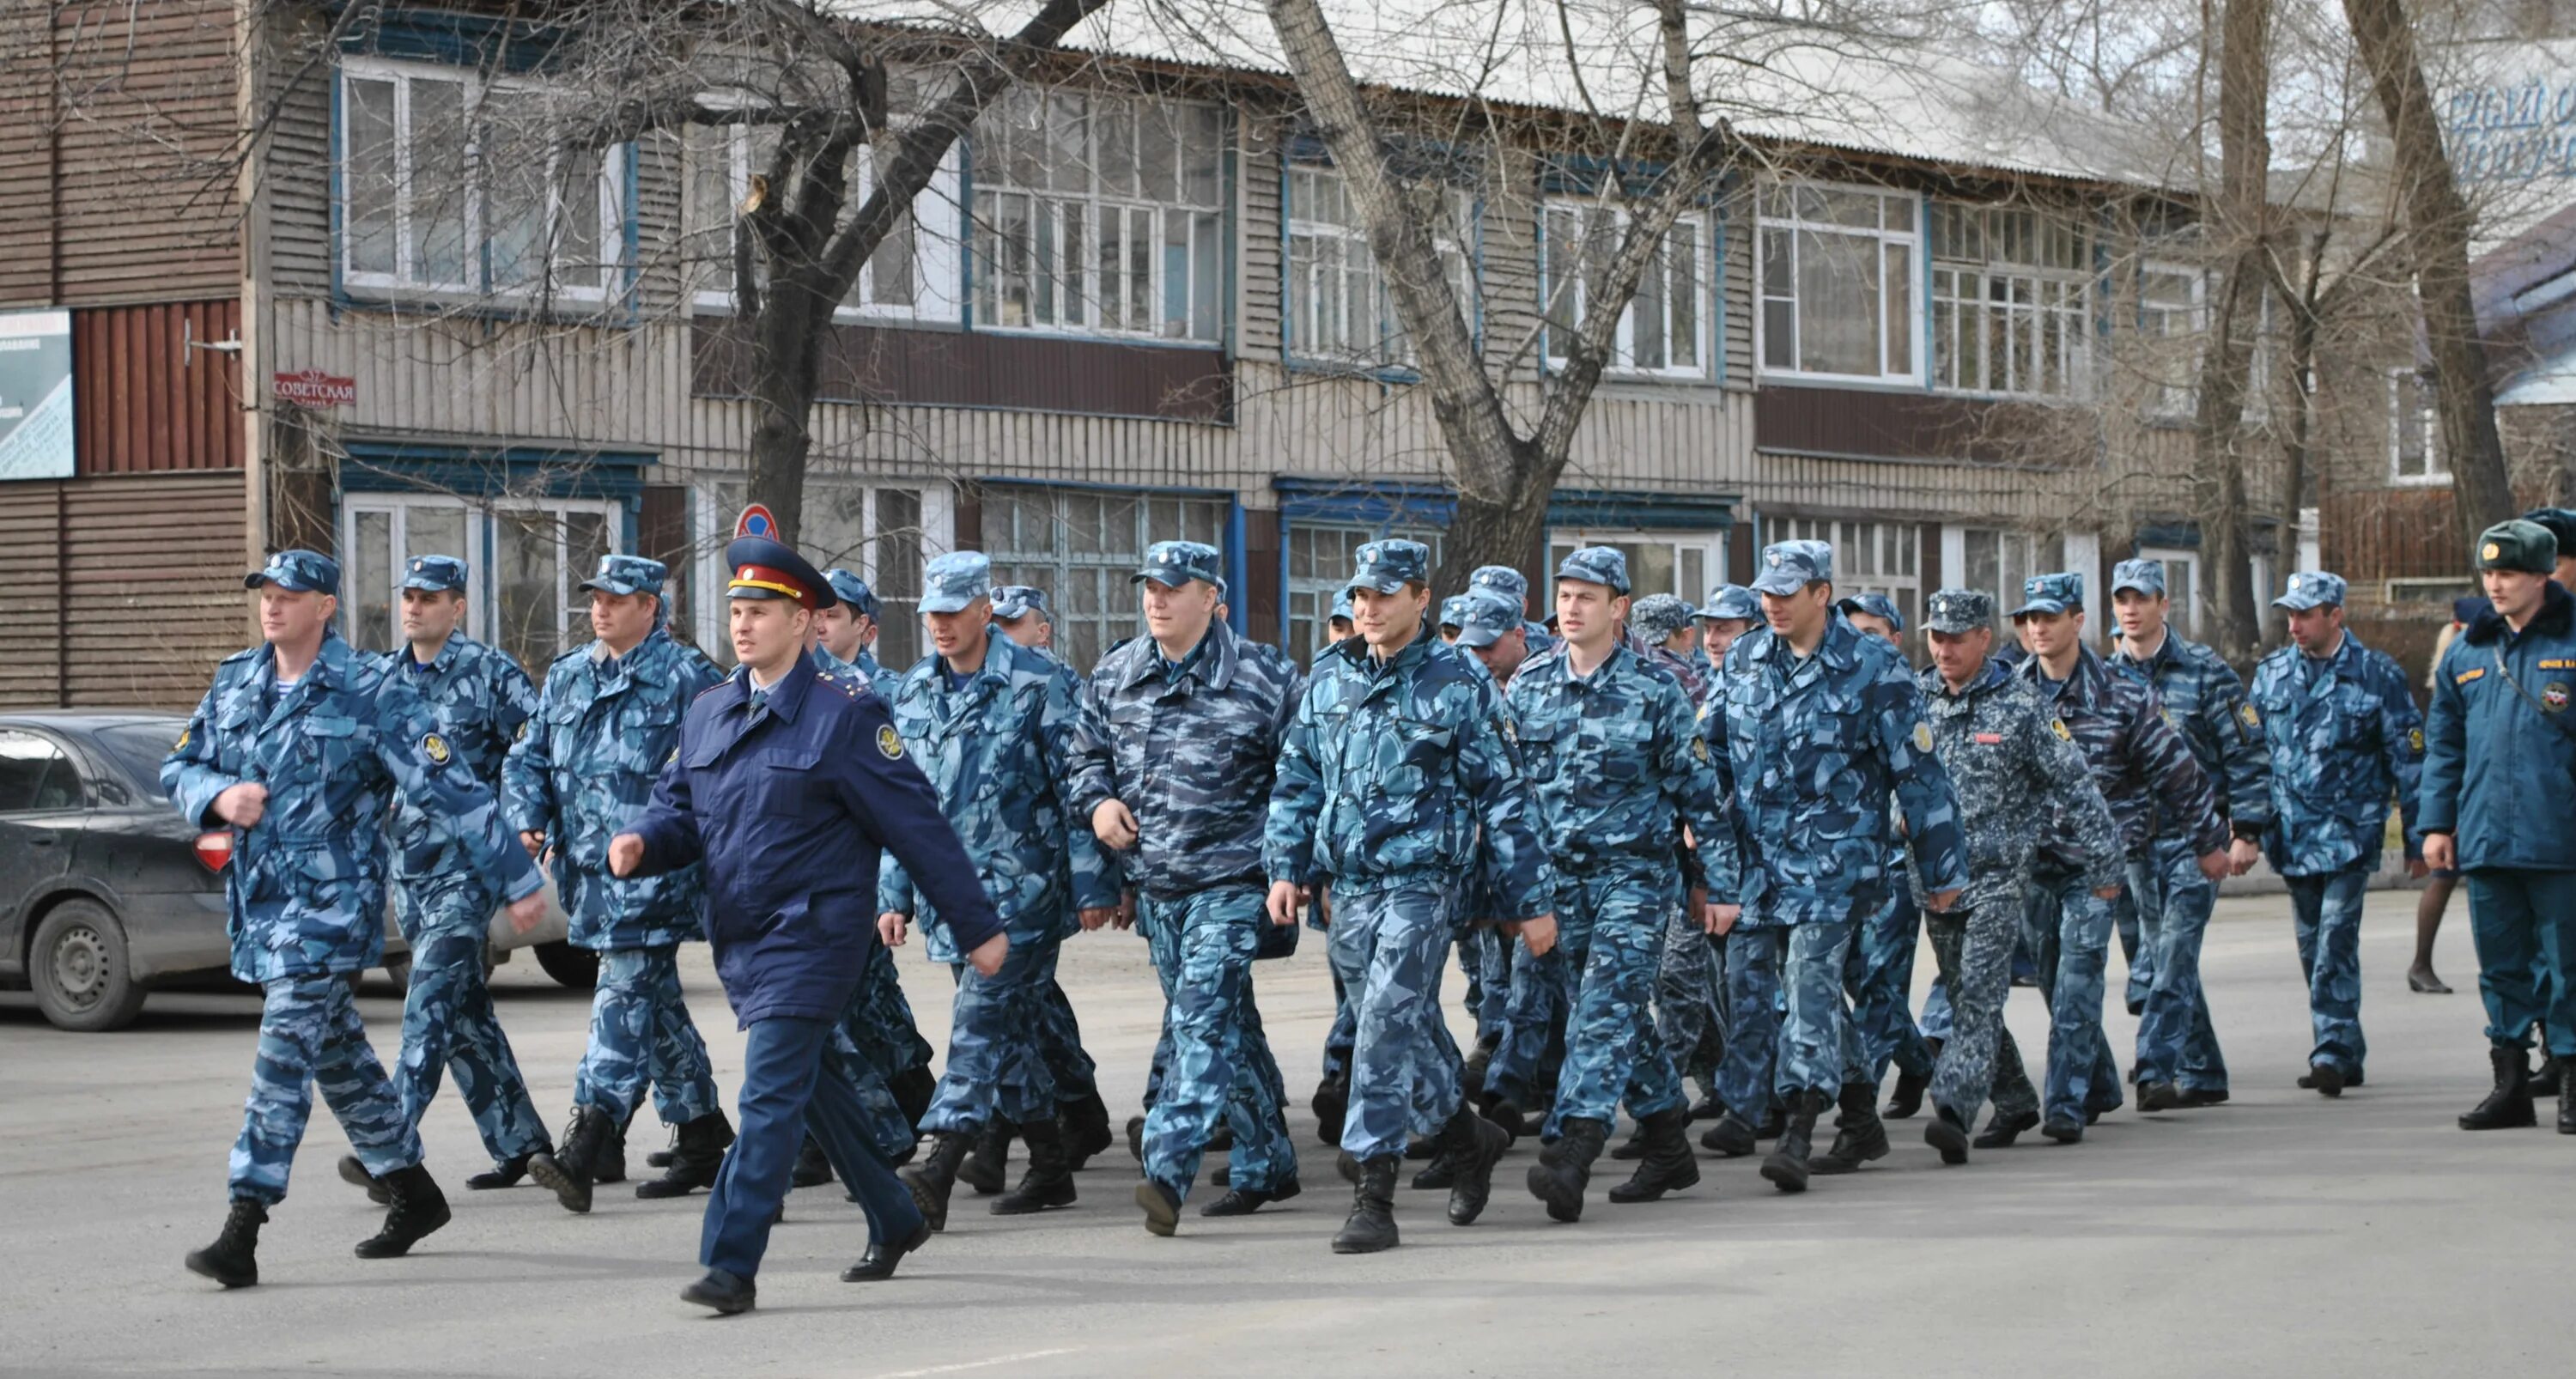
(1879, 976)
(607, 723)
(2179, 1063)
(1617, 770)
(1826, 731)
(1396, 761)
(1492, 632)
(991, 722)
(2344, 736)
(1333, 1088)
(1021, 611)
(848, 629)
(2020, 777)
(1512, 587)
(1172, 760)
(1690, 992)
(482, 702)
(2145, 771)
(297, 749)
(1661, 624)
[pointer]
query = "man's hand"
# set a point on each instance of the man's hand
(2441, 853)
(1939, 902)
(988, 955)
(2214, 864)
(1095, 917)
(1112, 824)
(2242, 855)
(2106, 893)
(534, 842)
(891, 928)
(1282, 904)
(527, 912)
(1719, 919)
(1126, 911)
(1539, 933)
(243, 805)
(625, 854)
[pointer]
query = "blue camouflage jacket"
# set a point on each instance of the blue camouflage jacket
(1820, 747)
(2204, 699)
(482, 702)
(789, 809)
(2500, 762)
(2141, 763)
(2343, 735)
(2020, 779)
(1401, 772)
(305, 891)
(1617, 768)
(1191, 750)
(996, 749)
(605, 727)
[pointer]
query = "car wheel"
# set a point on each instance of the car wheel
(79, 968)
(577, 968)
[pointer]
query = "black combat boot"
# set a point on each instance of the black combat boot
(1787, 1165)
(1732, 1136)
(608, 1158)
(2509, 1106)
(505, 1173)
(660, 1158)
(2002, 1130)
(1136, 1138)
(813, 1166)
(988, 1169)
(1707, 1108)
(1085, 1122)
(1472, 1145)
(1440, 1175)
(233, 1260)
(695, 1158)
(566, 1171)
(1948, 1134)
(1332, 1099)
(878, 1260)
(1558, 1179)
(931, 1180)
(419, 1208)
(1774, 1123)
(1371, 1226)
(1506, 1116)
(1669, 1164)
(1907, 1099)
(1244, 1201)
(728, 1294)
(1859, 1135)
(913, 1089)
(2551, 1079)
(1633, 1147)
(2159, 1096)
(354, 1173)
(1049, 1179)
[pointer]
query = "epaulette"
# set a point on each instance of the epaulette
(720, 684)
(245, 653)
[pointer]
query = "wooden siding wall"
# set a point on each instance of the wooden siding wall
(120, 591)
(114, 123)
(145, 400)
(950, 368)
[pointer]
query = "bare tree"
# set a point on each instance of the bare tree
(2238, 222)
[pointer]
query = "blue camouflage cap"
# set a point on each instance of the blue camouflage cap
(1012, 602)
(2053, 593)
(1730, 601)
(1487, 618)
(1790, 566)
(1387, 566)
(627, 574)
(434, 574)
(1658, 616)
(1175, 563)
(1342, 605)
(1597, 565)
(298, 572)
(2145, 576)
(1453, 611)
(1876, 605)
(955, 580)
(852, 591)
(1503, 580)
(2311, 589)
(1956, 612)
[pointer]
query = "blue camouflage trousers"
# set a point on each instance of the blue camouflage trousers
(1614, 925)
(1389, 946)
(999, 1042)
(1819, 1045)
(1068, 1063)
(2176, 1042)
(2069, 928)
(2524, 923)
(1974, 949)
(1937, 1012)
(2328, 912)
(1484, 955)
(1337, 1040)
(1878, 975)
(872, 1042)
(1540, 997)
(1220, 1068)
(448, 1021)
(1753, 1013)
(309, 1033)
(1690, 1009)
(640, 1032)
(2136, 927)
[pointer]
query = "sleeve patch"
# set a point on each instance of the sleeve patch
(2058, 726)
(521, 734)
(890, 742)
(182, 744)
(1922, 737)
(434, 747)
(1699, 748)
(2246, 712)
(2415, 740)
(2467, 675)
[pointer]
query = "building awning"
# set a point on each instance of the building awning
(473, 471)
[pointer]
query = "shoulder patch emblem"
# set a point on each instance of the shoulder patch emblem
(182, 744)
(890, 742)
(2058, 726)
(2415, 741)
(2553, 697)
(521, 735)
(2467, 675)
(1922, 736)
(2252, 719)
(1511, 729)
(434, 747)
(1699, 748)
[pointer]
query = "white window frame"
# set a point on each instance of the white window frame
(613, 211)
(1979, 283)
(715, 507)
(482, 541)
(1709, 548)
(1306, 601)
(1308, 269)
(2168, 401)
(1954, 559)
(1562, 303)
(1889, 542)
(1057, 567)
(1779, 211)
(1063, 287)
(2428, 424)
(2184, 617)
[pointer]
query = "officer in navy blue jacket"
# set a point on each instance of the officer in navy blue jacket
(784, 778)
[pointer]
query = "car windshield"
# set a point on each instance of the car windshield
(139, 747)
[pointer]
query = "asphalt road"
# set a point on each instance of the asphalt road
(2280, 1234)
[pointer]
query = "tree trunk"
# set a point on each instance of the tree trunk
(2437, 233)
(2239, 223)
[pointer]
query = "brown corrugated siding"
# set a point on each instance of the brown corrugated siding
(1875, 425)
(145, 401)
(119, 591)
(958, 369)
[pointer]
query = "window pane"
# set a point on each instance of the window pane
(528, 585)
(1157, 153)
(1068, 145)
(371, 583)
(1682, 269)
(585, 541)
(580, 257)
(438, 181)
(1140, 269)
(898, 577)
(34, 774)
(436, 531)
(1113, 129)
(1900, 308)
(891, 279)
(1202, 154)
(1838, 304)
(1646, 318)
(368, 177)
(1206, 265)
(1176, 275)
(1110, 305)
(510, 141)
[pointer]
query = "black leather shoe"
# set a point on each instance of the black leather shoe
(418, 1209)
(1669, 1165)
(355, 1174)
(726, 1294)
(2204, 1096)
(2325, 1079)
(1946, 1134)
(879, 1260)
(1371, 1226)
(2063, 1131)
(1732, 1136)
(2508, 1106)
(2159, 1096)
(1907, 1100)
(1245, 1201)
(233, 1260)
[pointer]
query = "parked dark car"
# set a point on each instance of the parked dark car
(105, 892)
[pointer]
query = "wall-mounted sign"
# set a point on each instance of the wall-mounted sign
(35, 395)
(314, 388)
